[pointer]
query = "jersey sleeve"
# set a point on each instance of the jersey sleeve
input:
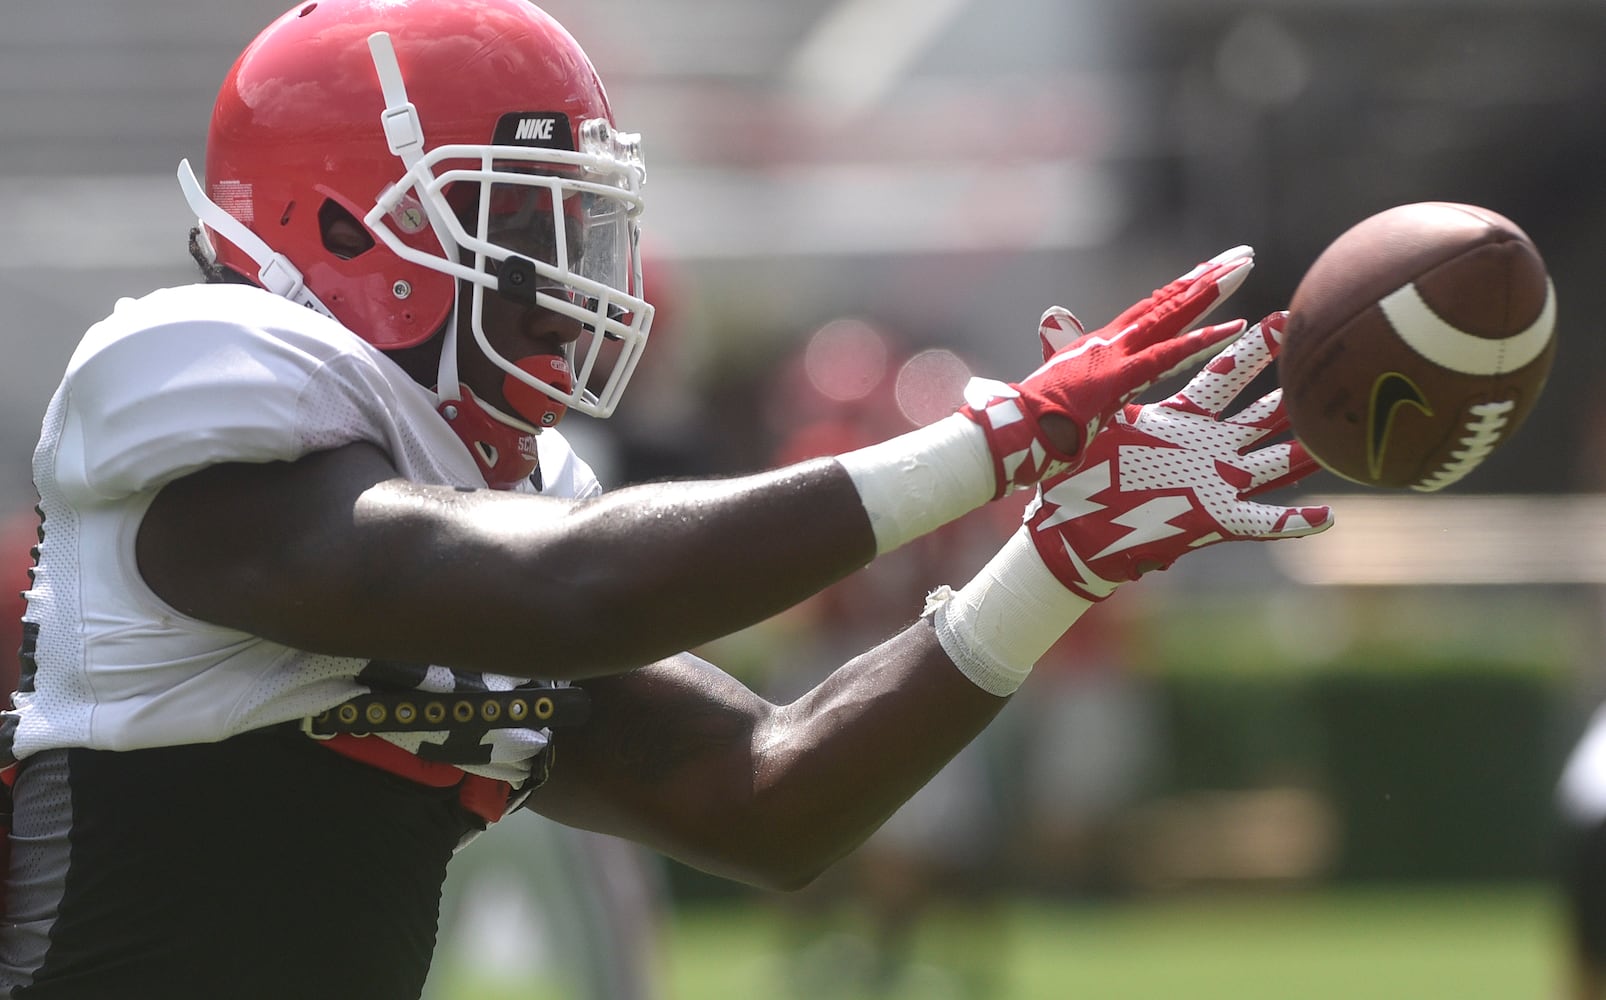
(563, 472)
(154, 403)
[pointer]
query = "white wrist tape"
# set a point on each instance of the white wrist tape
(919, 481)
(999, 624)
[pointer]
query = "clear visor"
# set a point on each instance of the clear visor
(576, 234)
(548, 228)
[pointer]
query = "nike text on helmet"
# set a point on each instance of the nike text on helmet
(365, 156)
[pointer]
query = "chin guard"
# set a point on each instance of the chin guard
(504, 447)
(505, 454)
(531, 404)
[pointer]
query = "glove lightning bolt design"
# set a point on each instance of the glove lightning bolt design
(1170, 477)
(1087, 377)
(1150, 521)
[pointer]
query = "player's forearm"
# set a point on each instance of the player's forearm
(681, 757)
(828, 769)
(648, 571)
(700, 560)
(833, 765)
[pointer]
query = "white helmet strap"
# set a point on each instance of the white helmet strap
(404, 133)
(275, 272)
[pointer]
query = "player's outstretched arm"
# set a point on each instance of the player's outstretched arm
(334, 553)
(683, 758)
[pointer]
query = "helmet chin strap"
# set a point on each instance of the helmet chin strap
(506, 454)
(503, 446)
(404, 134)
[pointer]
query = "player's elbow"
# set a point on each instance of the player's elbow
(798, 873)
(785, 847)
(771, 863)
(792, 880)
(779, 850)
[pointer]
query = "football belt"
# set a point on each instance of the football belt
(426, 712)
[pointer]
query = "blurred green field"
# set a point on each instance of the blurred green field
(1465, 944)
(1353, 944)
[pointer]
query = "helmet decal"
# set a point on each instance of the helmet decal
(543, 129)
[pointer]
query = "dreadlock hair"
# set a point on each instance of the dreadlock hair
(211, 270)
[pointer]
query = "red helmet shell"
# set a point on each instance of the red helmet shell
(297, 124)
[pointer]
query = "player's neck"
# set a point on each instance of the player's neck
(421, 361)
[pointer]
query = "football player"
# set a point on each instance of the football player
(321, 591)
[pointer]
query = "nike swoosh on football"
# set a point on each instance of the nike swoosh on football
(1390, 392)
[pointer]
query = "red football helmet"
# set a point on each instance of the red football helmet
(368, 157)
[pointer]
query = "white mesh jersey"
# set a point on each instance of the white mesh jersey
(168, 384)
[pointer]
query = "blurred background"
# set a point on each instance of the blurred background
(1323, 768)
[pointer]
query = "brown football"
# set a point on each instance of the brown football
(1416, 344)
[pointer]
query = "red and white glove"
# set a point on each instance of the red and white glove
(1158, 481)
(1170, 477)
(1087, 377)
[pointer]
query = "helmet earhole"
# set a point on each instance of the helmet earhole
(343, 235)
